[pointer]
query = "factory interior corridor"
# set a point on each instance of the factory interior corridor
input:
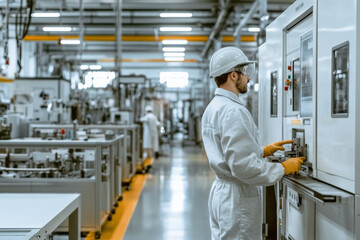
(169, 202)
(173, 203)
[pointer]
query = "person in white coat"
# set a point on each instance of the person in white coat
(150, 132)
(231, 142)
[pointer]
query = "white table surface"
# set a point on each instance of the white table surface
(31, 210)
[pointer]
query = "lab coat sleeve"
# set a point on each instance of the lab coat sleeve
(241, 151)
(143, 119)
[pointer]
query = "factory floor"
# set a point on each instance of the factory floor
(169, 202)
(173, 203)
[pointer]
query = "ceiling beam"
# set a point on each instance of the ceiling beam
(253, 9)
(217, 28)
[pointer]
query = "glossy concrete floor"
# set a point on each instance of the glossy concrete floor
(173, 204)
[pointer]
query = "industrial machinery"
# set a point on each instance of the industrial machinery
(129, 158)
(5, 126)
(65, 166)
(6, 88)
(132, 103)
(309, 93)
(192, 121)
(43, 99)
(121, 117)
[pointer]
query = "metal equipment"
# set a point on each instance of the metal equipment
(43, 99)
(6, 89)
(5, 128)
(63, 166)
(121, 117)
(308, 93)
(129, 158)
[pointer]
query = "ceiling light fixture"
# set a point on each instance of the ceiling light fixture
(163, 15)
(174, 59)
(174, 54)
(84, 67)
(44, 14)
(95, 67)
(56, 29)
(254, 29)
(175, 29)
(70, 41)
(173, 49)
(174, 41)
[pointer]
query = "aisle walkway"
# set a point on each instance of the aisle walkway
(173, 204)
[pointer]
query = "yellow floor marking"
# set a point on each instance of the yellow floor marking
(116, 228)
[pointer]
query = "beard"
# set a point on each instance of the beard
(241, 86)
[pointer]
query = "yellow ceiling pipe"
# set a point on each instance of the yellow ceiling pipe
(142, 60)
(133, 38)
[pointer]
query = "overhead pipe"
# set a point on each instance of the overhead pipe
(134, 38)
(118, 57)
(264, 19)
(253, 9)
(217, 28)
(81, 36)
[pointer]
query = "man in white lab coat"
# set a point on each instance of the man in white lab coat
(231, 143)
(150, 132)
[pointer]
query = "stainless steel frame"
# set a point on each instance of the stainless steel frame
(129, 168)
(98, 194)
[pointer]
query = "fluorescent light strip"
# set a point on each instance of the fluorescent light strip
(173, 49)
(163, 15)
(254, 29)
(95, 67)
(70, 41)
(44, 14)
(56, 29)
(175, 29)
(174, 54)
(174, 41)
(174, 59)
(84, 67)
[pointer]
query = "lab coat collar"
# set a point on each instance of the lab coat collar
(228, 94)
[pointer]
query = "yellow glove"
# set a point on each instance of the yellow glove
(292, 165)
(270, 149)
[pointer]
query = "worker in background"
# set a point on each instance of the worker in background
(231, 143)
(150, 132)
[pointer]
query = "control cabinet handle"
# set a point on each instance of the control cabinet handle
(315, 196)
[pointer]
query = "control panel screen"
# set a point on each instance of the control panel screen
(273, 94)
(306, 74)
(340, 81)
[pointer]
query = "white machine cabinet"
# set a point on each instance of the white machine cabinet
(47, 98)
(309, 85)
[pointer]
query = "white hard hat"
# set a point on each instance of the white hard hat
(225, 59)
(148, 109)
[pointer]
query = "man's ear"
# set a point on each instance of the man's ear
(233, 75)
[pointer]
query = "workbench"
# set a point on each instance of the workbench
(35, 216)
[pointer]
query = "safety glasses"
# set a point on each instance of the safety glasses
(247, 70)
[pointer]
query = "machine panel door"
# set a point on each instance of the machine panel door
(337, 66)
(298, 90)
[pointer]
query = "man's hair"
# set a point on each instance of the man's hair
(220, 80)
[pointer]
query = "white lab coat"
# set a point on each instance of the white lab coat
(231, 143)
(150, 131)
